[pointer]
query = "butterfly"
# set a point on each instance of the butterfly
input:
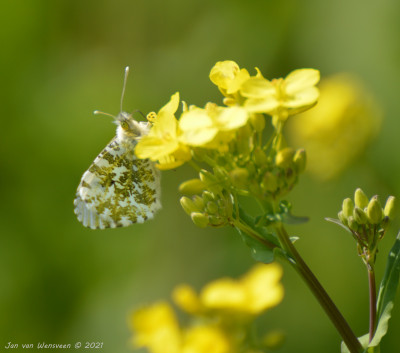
(119, 189)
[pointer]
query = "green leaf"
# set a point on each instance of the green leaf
(288, 218)
(259, 252)
(387, 292)
(364, 343)
(336, 221)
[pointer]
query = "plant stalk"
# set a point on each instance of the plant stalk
(372, 302)
(319, 292)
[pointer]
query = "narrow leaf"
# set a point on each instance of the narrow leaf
(387, 292)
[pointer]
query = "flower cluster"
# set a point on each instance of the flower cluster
(229, 139)
(219, 317)
(367, 221)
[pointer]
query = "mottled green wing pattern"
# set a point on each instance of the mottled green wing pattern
(118, 189)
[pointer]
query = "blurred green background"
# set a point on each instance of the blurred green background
(62, 283)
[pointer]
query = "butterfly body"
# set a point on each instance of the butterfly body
(119, 189)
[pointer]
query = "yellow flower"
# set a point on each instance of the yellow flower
(162, 144)
(339, 128)
(156, 328)
(211, 127)
(282, 97)
(206, 339)
(255, 292)
(228, 76)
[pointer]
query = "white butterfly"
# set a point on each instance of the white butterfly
(119, 189)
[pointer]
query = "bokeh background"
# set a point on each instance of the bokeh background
(60, 60)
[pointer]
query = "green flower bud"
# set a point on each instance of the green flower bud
(284, 158)
(207, 178)
(257, 121)
(198, 202)
(260, 158)
(239, 177)
(353, 225)
(360, 216)
(374, 211)
(192, 187)
(269, 182)
(360, 199)
(390, 207)
(342, 218)
(300, 160)
(348, 207)
(199, 219)
(188, 205)
(207, 196)
(211, 207)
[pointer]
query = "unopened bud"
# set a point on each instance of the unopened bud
(260, 158)
(390, 207)
(239, 177)
(300, 160)
(192, 187)
(207, 196)
(211, 207)
(269, 182)
(188, 205)
(360, 216)
(353, 225)
(198, 201)
(360, 199)
(199, 219)
(348, 207)
(374, 211)
(284, 157)
(206, 177)
(342, 218)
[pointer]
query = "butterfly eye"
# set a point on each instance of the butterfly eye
(124, 125)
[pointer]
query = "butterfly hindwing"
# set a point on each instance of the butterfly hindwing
(118, 189)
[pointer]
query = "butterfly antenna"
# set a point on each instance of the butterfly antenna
(123, 87)
(97, 112)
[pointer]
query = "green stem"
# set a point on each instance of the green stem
(372, 302)
(319, 292)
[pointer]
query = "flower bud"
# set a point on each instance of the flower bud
(284, 157)
(360, 199)
(360, 216)
(353, 225)
(192, 187)
(348, 207)
(211, 207)
(257, 121)
(374, 211)
(390, 207)
(342, 218)
(207, 196)
(199, 219)
(239, 177)
(269, 182)
(260, 158)
(198, 202)
(300, 160)
(188, 205)
(206, 177)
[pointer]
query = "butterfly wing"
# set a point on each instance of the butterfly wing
(118, 189)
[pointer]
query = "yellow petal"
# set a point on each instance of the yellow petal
(258, 87)
(260, 105)
(231, 118)
(197, 127)
(300, 79)
(155, 148)
(302, 98)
